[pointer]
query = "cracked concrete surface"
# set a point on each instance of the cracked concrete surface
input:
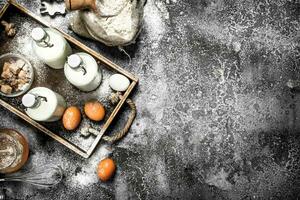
(215, 120)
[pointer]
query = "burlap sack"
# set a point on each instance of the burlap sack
(116, 23)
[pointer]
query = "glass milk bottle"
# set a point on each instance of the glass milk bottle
(42, 104)
(50, 47)
(82, 71)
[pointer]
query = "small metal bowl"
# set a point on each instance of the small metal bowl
(12, 56)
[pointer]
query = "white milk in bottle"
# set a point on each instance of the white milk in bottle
(50, 47)
(42, 104)
(82, 71)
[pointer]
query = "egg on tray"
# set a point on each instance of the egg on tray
(94, 110)
(119, 82)
(71, 118)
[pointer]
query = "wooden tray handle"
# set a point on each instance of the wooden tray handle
(115, 98)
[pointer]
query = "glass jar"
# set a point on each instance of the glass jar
(14, 150)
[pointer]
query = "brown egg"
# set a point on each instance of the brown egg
(71, 118)
(106, 169)
(94, 110)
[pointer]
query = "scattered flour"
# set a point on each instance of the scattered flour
(163, 9)
(162, 179)
(154, 23)
(88, 174)
(121, 189)
(158, 93)
(219, 180)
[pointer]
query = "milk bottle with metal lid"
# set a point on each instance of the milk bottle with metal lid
(42, 104)
(82, 71)
(50, 47)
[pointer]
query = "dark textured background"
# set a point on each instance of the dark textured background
(212, 123)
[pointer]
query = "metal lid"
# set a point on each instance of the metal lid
(29, 100)
(38, 34)
(74, 61)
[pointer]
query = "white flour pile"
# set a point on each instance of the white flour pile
(154, 21)
(117, 23)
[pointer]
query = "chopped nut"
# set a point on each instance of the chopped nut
(25, 67)
(6, 66)
(22, 74)
(13, 83)
(22, 81)
(7, 74)
(14, 68)
(6, 89)
(21, 86)
(20, 63)
(9, 28)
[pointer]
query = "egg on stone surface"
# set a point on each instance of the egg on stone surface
(94, 110)
(106, 169)
(119, 82)
(71, 118)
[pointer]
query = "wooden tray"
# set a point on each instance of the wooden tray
(25, 20)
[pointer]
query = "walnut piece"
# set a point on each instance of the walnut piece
(22, 74)
(7, 74)
(9, 28)
(6, 89)
(20, 63)
(22, 81)
(14, 68)
(6, 66)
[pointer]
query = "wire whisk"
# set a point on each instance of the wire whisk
(44, 176)
(2, 194)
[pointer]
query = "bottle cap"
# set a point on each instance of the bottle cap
(28, 100)
(74, 61)
(38, 34)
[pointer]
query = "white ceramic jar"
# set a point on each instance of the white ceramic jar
(82, 71)
(50, 47)
(42, 104)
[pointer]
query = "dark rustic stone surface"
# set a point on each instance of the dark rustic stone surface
(213, 122)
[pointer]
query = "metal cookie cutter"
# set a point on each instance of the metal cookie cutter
(53, 8)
